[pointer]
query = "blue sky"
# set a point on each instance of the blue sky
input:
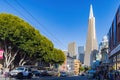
(64, 21)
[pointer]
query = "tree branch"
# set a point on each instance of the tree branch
(12, 58)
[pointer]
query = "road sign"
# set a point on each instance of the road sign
(1, 54)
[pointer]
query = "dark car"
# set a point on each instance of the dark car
(63, 74)
(36, 73)
(44, 73)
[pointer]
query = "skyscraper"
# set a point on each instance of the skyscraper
(72, 49)
(91, 42)
(81, 53)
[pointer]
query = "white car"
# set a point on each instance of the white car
(21, 72)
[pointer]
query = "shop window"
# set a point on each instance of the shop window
(114, 58)
(118, 57)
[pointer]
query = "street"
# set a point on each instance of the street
(51, 78)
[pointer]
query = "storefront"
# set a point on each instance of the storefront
(114, 41)
(115, 60)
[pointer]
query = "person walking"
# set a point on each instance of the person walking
(110, 75)
(117, 76)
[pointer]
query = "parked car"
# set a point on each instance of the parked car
(52, 73)
(83, 74)
(44, 73)
(63, 74)
(90, 73)
(21, 72)
(36, 73)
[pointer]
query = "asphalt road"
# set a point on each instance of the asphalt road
(51, 78)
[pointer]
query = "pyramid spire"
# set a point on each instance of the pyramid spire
(91, 42)
(91, 12)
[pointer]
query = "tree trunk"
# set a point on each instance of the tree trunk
(9, 56)
(23, 61)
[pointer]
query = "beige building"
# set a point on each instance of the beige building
(91, 42)
(72, 49)
(77, 65)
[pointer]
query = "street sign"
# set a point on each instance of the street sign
(1, 54)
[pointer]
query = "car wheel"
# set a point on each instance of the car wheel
(19, 75)
(29, 76)
(37, 74)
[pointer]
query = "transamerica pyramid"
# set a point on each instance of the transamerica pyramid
(91, 42)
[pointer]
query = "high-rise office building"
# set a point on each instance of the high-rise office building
(72, 49)
(91, 42)
(81, 54)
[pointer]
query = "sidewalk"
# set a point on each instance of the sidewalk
(1, 76)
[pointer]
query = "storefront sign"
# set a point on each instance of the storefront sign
(1, 54)
(115, 50)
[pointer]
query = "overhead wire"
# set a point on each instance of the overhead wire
(34, 20)
(38, 22)
(18, 12)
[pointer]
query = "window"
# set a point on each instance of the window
(112, 35)
(109, 39)
(114, 59)
(118, 25)
(19, 68)
(115, 32)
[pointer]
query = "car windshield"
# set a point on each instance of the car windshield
(63, 73)
(35, 71)
(20, 68)
(91, 71)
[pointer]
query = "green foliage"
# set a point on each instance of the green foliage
(17, 32)
(56, 56)
(20, 35)
(87, 68)
(81, 68)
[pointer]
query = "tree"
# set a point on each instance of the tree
(59, 56)
(19, 35)
(81, 68)
(22, 42)
(55, 57)
(87, 68)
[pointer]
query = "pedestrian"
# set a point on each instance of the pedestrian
(100, 76)
(111, 75)
(117, 76)
(1, 71)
